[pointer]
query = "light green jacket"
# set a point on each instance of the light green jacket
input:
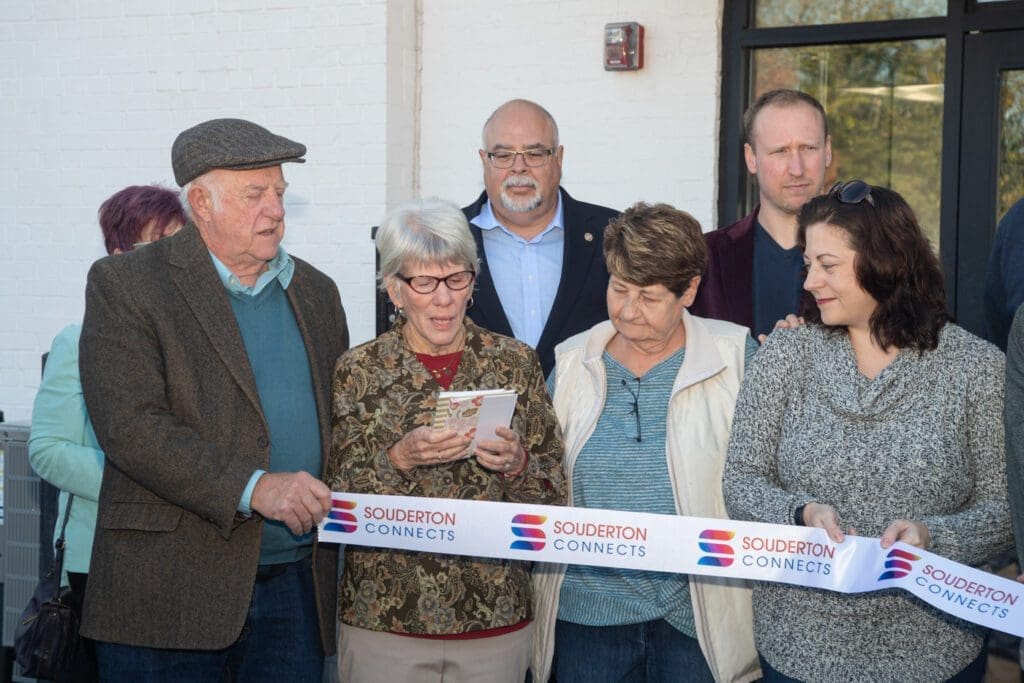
(62, 447)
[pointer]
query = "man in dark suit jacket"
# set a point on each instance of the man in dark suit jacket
(542, 277)
(1004, 280)
(206, 362)
(755, 268)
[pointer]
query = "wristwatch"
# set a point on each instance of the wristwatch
(798, 515)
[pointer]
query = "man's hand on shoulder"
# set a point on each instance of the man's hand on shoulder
(298, 499)
(790, 322)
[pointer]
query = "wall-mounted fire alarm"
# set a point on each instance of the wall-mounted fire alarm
(623, 46)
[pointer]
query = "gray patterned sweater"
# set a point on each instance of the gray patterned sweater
(922, 440)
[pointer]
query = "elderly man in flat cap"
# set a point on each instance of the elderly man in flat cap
(206, 362)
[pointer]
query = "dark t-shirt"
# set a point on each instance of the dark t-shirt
(778, 281)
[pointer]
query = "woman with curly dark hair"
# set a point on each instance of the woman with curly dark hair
(878, 417)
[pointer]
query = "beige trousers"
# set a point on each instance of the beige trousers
(373, 656)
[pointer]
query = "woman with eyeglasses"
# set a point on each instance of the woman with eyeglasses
(878, 417)
(423, 616)
(646, 401)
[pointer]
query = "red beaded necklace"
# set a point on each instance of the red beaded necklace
(443, 368)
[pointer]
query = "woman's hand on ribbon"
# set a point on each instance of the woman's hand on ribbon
(505, 455)
(423, 447)
(824, 517)
(909, 531)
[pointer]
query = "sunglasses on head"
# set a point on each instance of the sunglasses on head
(852, 192)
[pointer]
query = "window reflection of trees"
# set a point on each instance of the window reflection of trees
(884, 103)
(1011, 140)
(811, 12)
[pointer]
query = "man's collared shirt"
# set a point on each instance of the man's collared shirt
(281, 268)
(526, 273)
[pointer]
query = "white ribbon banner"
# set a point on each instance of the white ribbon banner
(686, 545)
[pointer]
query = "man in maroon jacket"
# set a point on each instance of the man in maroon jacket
(755, 269)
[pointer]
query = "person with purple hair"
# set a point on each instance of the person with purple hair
(62, 448)
(138, 215)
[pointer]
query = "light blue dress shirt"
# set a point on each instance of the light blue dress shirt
(526, 273)
(281, 268)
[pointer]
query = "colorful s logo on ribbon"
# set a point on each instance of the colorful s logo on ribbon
(528, 527)
(722, 554)
(898, 564)
(341, 520)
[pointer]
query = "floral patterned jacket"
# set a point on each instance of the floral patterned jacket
(381, 392)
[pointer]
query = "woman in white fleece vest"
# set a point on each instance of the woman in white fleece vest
(645, 400)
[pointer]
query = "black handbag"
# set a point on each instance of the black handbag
(46, 639)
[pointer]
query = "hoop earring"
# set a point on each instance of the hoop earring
(400, 312)
(469, 304)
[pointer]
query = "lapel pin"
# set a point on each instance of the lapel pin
(588, 237)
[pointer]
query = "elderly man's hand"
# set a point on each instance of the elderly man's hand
(298, 499)
(790, 322)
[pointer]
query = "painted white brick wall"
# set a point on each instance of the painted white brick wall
(94, 94)
(388, 95)
(642, 135)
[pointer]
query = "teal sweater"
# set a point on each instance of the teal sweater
(280, 366)
(614, 471)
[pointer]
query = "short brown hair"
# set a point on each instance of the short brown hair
(655, 244)
(894, 263)
(782, 97)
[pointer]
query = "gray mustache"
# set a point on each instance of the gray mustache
(520, 181)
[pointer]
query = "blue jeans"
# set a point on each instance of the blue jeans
(972, 673)
(652, 651)
(280, 641)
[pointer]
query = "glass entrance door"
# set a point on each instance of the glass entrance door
(884, 102)
(991, 159)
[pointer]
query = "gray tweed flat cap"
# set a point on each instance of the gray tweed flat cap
(229, 143)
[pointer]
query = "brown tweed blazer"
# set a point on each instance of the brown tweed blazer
(174, 403)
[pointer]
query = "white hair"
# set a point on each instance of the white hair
(206, 182)
(423, 231)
